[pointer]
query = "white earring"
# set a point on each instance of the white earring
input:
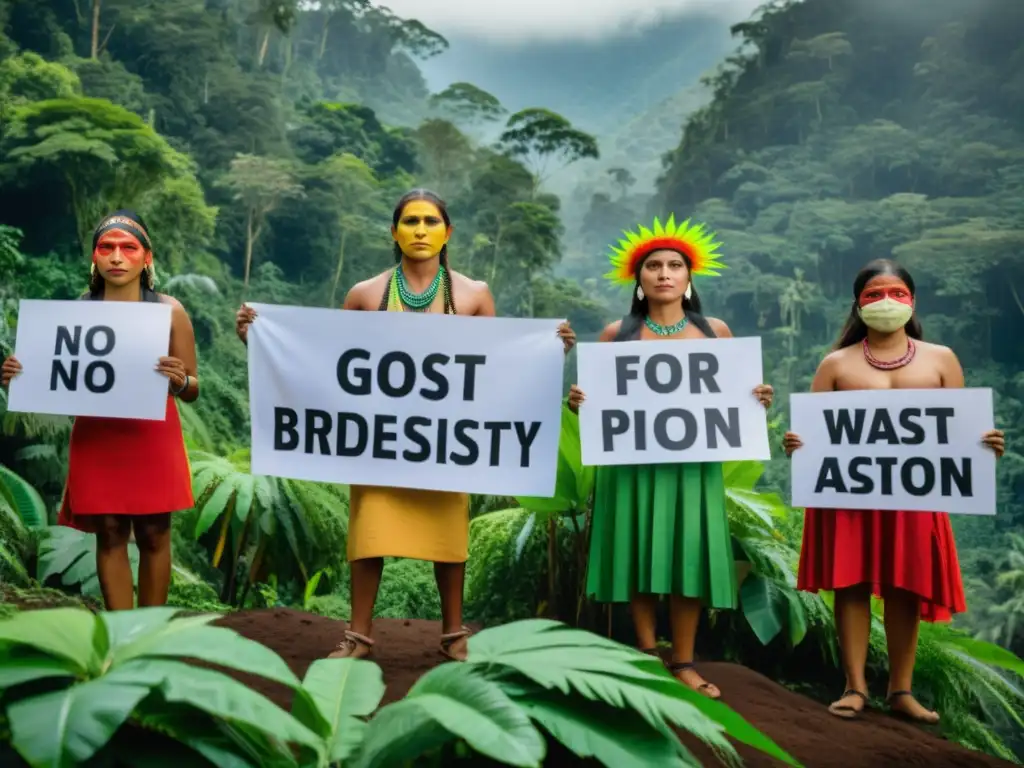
(689, 290)
(640, 292)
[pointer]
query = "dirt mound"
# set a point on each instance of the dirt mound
(405, 650)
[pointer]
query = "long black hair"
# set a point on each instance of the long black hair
(427, 196)
(634, 321)
(131, 222)
(855, 331)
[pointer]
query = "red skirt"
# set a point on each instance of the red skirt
(125, 467)
(914, 551)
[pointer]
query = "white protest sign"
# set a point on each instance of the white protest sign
(670, 402)
(406, 400)
(91, 358)
(894, 449)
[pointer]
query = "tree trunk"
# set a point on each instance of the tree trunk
(94, 50)
(230, 597)
(337, 271)
(263, 47)
(323, 37)
(248, 248)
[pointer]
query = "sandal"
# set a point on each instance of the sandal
(449, 639)
(845, 711)
(704, 688)
(354, 646)
(929, 719)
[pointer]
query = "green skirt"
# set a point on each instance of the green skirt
(661, 529)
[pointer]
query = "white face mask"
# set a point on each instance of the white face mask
(886, 316)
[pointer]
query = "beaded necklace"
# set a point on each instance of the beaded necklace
(890, 365)
(665, 330)
(417, 302)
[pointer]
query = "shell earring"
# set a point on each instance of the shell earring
(640, 292)
(689, 290)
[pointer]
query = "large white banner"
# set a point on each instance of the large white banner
(903, 449)
(91, 358)
(669, 402)
(407, 400)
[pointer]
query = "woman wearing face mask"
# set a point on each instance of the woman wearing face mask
(907, 558)
(663, 529)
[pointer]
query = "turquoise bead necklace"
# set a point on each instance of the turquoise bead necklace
(419, 301)
(665, 330)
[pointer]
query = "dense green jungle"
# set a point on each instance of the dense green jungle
(265, 143)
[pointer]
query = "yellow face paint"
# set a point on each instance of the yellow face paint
(421, 231)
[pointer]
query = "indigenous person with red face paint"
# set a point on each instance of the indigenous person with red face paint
(128, 475)
(402, 522)
(662, 529)
(907, 558)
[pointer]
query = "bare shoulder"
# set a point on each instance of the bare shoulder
(472, 297)
(468, 285)
(610, 331)
(176, 306)
(721, 330)
(366, 293)
(838, 356)
(938, 351)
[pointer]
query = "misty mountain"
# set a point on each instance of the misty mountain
(598, 85)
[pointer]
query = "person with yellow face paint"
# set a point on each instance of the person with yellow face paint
(401, 522)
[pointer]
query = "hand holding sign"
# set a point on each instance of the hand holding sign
(11, 368)
(567, 335)
(173, 369)
(243, 319)
(995, 440)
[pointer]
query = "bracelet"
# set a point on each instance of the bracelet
(183, 387)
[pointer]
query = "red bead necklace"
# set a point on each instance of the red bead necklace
(890, 365)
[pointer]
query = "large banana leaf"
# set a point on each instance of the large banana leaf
(574, 482)
(453, 701)
(343, 692)
(111, 663)
(555, 657)
(71, 554)
(23, 498)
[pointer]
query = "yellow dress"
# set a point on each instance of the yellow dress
(401, 522)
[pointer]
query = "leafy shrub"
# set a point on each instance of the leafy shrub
(73, 681)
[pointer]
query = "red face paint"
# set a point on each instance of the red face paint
(119, 257)
(885, 287)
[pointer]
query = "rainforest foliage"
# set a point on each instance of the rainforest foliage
(265, 144)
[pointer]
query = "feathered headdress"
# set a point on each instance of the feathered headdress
(692, 240)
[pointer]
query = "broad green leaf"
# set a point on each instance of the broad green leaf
(524, 534)
(126, 627)
(343, 691)
(61, 548)
(764, 607)
(217, 694)
(986, 653)
(742, 474)
(398, 733)
(191, 637)
(765, 507)
(211, 738)
(64, 632)
(797, 615)
(478, 711)
(23, 497)
(15, 670)
(721, 714)
(67, 727)
(613, 737)
(554, 505)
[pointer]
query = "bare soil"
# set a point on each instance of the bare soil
(405, 650)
